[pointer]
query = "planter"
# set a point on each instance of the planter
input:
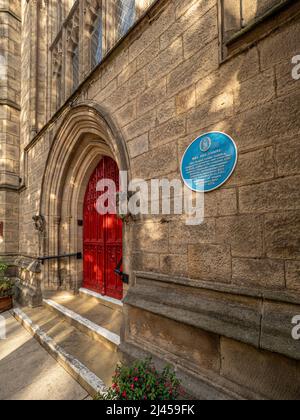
(6, 303)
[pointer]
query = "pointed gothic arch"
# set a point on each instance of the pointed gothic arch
(85, 135)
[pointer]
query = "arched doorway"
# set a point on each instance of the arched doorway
(102, 236)
(85, 136)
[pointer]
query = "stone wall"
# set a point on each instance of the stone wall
(223, 293)
(10, 80)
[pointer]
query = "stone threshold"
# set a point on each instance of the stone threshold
(87, 379)
(105, 300)
(88, 327)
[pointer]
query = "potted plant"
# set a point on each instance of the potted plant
(6, 290)
(142, 381)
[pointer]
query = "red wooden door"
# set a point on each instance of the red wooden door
(102, 237)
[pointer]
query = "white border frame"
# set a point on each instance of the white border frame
(229, 176)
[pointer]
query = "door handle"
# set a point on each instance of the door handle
(124, 277)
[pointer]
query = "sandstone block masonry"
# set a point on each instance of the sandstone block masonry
(10, 93)
(218, 299)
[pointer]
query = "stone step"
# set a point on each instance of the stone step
(104, 300)
(92, 308)
(93, 330)
(90, 362)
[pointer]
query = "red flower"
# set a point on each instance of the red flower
(136, 379)
(114, 386)
(132, 386)
(124, 395)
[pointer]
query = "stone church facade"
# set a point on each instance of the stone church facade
(138, 81)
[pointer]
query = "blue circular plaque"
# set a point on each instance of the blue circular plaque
(209, 161)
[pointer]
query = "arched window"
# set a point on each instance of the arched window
(75, 66)
(125, 16)
(96, 40)
(59, 15)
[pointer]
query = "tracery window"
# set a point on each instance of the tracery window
(75, 66)
(74, 51)
(57, 75)
(125, 11)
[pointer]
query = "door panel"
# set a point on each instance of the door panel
(102, 243)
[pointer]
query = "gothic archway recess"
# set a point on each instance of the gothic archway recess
(85, 135)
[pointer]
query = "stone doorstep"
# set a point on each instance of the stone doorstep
(104, 300)
(87, 379)
(94, 331)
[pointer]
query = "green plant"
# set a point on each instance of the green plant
(3, 268)
(141, 381)
(6, 288)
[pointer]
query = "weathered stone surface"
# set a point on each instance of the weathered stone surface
(207, 113)
(265, 273)
(282, 235)
(173, 337)
(281, 47)
(276, 334)
(282, 194)
(181, 233)
(185, 100)
(221, 202)
(223, 314)
(266, 373)
(143, 261)
(158, 162)
(126, 114)
(193, 69)
(268, 123)
(292, 272)
(288, 158)
(210, 262)
(140, 126)
(166, 61)
(187, 13)
(243, 233)
(139, 145)
(174, 264)
(152, 97)
(192, 9)
(201, 33)
(254, 167)
(167, 132)
(255, 91)
(153, 31)
(166, 111)
(151, 237)
(148, 54)
(285, 83)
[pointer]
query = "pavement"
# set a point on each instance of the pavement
(28, 372)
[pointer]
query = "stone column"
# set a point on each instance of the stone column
(10, 86)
